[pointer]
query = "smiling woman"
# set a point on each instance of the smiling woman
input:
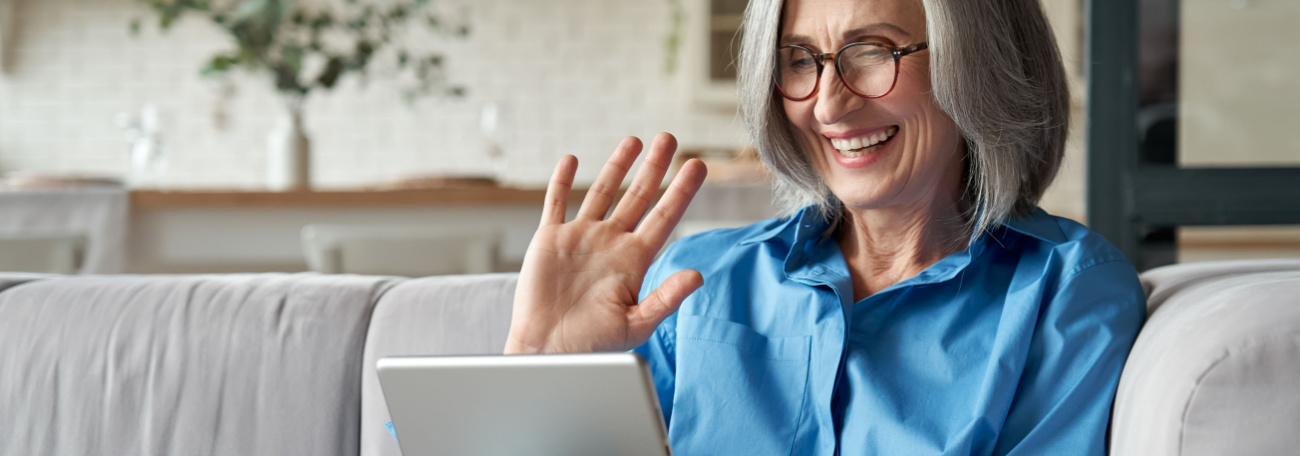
(914, 300)
(993, 72)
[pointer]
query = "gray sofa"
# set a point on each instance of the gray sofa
(283, 364)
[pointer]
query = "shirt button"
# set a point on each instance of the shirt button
(817, 270)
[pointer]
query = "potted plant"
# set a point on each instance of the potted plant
(303, 48)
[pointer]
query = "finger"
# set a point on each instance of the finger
(661, 220)
(557, 192)
(659, 304)
(646, 184)
(602, 192)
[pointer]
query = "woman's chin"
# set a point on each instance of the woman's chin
(859, 197)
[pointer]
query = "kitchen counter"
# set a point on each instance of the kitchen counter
(202, 231)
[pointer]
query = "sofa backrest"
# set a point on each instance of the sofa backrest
(447, 315)
(183, 365)
(1216, 369)
(274, 364)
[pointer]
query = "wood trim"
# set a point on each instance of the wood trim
(240, 199)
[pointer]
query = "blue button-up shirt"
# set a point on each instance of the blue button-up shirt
(1011, 347)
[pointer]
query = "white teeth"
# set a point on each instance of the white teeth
(857, 147)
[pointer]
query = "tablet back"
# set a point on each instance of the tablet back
(562, 405)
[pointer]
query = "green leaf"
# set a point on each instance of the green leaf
(292, 55)
(330, 75)
(398, 12)
(322, 20)
(361, 54)
(286, 80)
(253, 8)
(276, 37)
(219, 64)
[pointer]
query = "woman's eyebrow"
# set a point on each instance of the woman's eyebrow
(793, 39)
(873, 29)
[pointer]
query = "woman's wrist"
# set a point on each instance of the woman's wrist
(515, 347)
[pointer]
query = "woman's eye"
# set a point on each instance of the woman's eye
(868, 57)
(802, 63)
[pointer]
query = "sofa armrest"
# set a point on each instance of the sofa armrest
(1215, 369)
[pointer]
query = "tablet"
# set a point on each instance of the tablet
(561, 405)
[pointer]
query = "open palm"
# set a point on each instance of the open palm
(580, 280)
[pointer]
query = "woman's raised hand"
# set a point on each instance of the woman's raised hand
(580, 280)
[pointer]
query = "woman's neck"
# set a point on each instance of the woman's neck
(886, 246)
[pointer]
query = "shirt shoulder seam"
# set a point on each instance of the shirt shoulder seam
(1091, 264)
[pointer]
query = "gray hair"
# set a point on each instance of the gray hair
(995, 70)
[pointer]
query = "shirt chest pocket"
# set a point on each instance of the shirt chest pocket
(737, 391)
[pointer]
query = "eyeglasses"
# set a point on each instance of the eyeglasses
(869, 70)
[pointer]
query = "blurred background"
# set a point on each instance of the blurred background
(415, 137)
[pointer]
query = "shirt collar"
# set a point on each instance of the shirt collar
(786, 225)
(1038, 224)
(803, 225)
(808, 224)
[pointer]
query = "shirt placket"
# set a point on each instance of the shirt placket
(833, 290)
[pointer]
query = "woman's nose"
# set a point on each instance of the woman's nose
(834, 100)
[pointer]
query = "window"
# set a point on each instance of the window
(714, 43)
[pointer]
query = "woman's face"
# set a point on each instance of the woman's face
(921, 162)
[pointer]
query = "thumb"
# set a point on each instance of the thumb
(662, 302)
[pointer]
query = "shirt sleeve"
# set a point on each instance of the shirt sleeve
(659, 351)
(1082, 338)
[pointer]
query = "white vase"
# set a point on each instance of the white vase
(288, 153)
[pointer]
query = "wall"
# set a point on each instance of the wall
(570, 76)
(1239, 96)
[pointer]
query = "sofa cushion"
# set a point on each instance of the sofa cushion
(1215, 369)
(447, 315)
(184, 365)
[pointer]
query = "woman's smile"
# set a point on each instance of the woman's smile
(859, 148)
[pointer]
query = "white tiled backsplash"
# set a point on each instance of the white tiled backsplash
(569, 76)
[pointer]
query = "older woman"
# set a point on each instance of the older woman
(916, 303)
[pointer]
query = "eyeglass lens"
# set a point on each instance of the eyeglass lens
(866, 68)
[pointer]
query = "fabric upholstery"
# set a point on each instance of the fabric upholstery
(12, 279)
(184, 365)
(447, 315)
(1216, 369)
(277, 364)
